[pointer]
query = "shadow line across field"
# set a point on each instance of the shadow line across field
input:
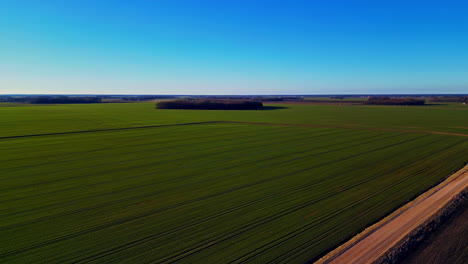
(239, 122)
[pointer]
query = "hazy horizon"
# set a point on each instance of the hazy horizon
(224, 95)
(233, 48)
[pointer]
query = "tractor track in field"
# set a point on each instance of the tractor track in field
(294, 233)
(302, 229)
(349, 127)
(242, 230)
(193, 249)
(306, 245)
(54, 142)
(179, 178)
(387, 235)
(132, 140)
(132, 218)
(170, 170)
(237, 122)
(132, 198)
(248, 226)
(132, 152)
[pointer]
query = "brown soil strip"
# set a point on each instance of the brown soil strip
(411, 127)
(386, 240)
(416, 106)
(351, 127)
(363, 125)
(448, 244)
(346, 124)
(355, 104)
(307, 102)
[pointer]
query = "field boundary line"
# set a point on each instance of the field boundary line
(110, 129)
(358, 247)
(237, 122)
(349, 127)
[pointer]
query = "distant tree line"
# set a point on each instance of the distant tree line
(210, 104)
(147, 97)
(383, 100)
(450, 99)
(46, 99)
(65, 100)
(14, 99)
(246, 98)
(278, 98)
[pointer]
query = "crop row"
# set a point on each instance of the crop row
(208, 193)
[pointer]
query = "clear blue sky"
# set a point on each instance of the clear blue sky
(233, 46)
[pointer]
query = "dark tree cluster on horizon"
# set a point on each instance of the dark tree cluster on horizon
(210, 105)
(450, 99)
(51, 99)
(65, 100)
(384, 100)
(147, 97)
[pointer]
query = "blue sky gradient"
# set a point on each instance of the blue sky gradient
(233, 47)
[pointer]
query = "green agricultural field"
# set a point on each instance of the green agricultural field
(213, 192)
(37, 119)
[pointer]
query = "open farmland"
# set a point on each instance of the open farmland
(38, 119)
(210, 192)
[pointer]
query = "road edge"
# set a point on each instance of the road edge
(397, 251)
(417, 236)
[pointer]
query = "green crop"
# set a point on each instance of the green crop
(211, 192)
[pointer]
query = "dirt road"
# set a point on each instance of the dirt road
(449, 244)
(368, 246)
